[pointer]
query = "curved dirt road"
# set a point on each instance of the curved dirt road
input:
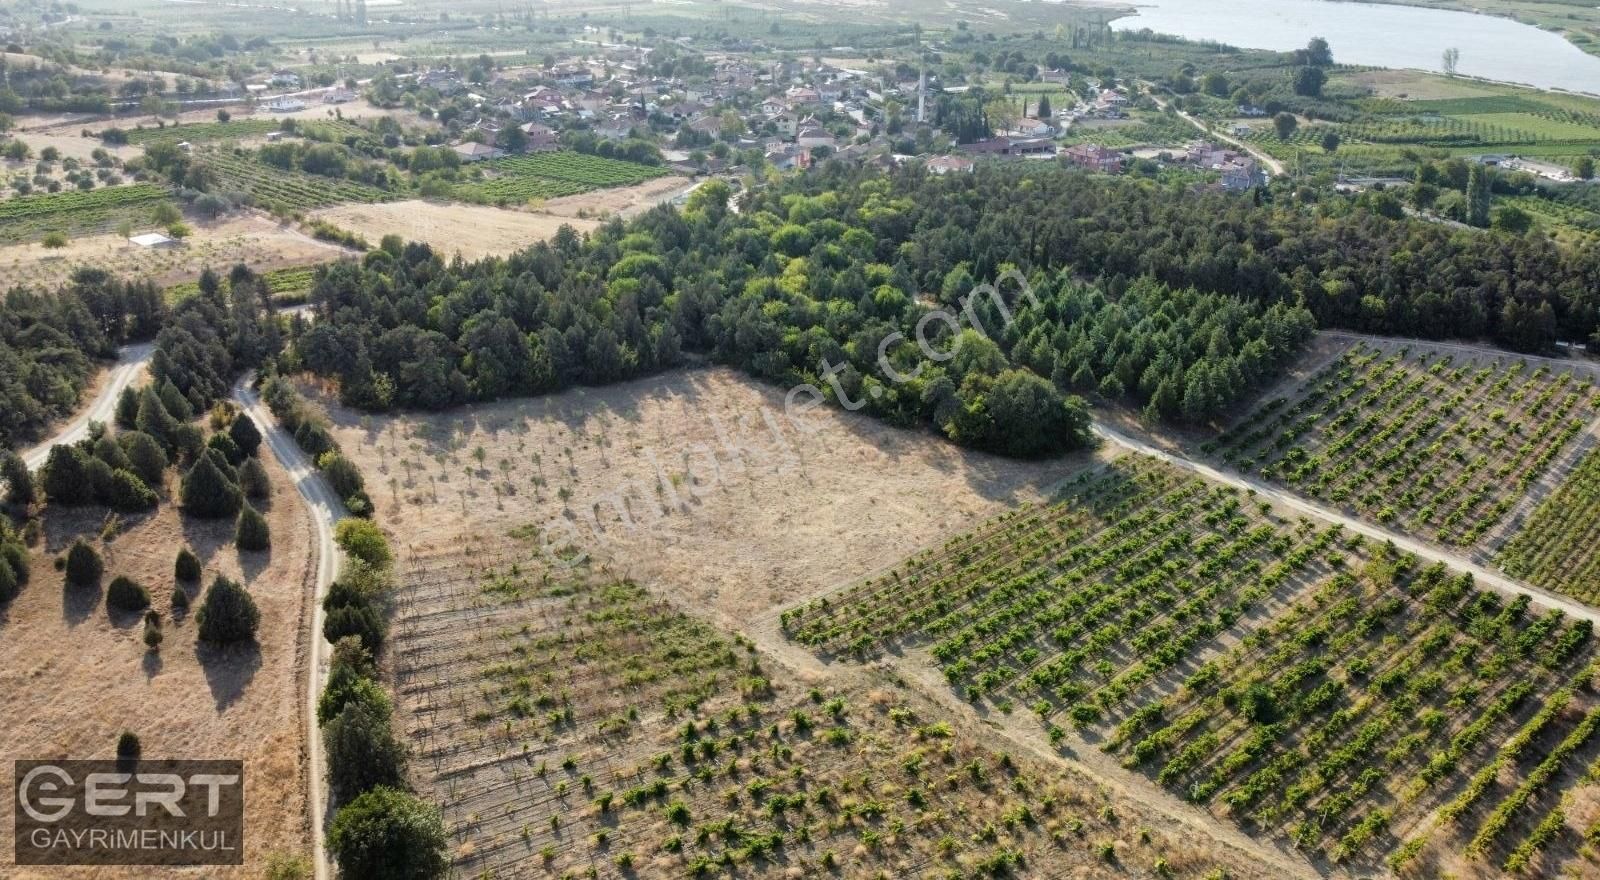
(326, 508)
(131, 361)
(1482, 575)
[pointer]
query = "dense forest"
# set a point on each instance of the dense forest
(50, 342)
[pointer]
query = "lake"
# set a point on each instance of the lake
(1380, 35)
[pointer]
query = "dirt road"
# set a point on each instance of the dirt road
(1274, 167)
(326, 508)
(130, 362)
(1482, 575)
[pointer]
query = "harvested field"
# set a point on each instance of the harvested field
(254, 240)
(621, 200)
(76, 674)
(470, 230)
(682, 481)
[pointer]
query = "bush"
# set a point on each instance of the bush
(180, 599)
(84, 566)
(227, 614)
(341, 473)
(127, 594)
(145, 456)
(360, 620)
(207, 492)
(252, 533)
(245, 435)
(187, 567)
(347, 686)
(362, 751)
(364, 541)
(128, 747)
(253, 479)
(153, 636)
(10, 583)
(389, 834)
(108, 450)
(313, 438)
(127, 417)
(225, 445)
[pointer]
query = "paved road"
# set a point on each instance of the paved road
(1482, 575)
(131, 361)
(326, 508)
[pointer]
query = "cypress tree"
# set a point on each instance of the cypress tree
(18, 480)
(187, 567)
(245, 435)
(154, 420)
(84, 566)
(146, 458)
(126, 594)
(253, 479)
(128, 409)
(176, 404)
(252, 533)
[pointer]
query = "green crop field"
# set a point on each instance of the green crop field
(1299, 681)
(1439, 445)
(198, 132)
(277, 189)
(77, 212)
(288, 286)
(517, 179)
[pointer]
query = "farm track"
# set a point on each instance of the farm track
(325, 508)
(131, 361)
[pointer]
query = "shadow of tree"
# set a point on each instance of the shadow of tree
(228, 668)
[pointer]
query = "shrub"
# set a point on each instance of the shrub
(227, 614)
(362, 751)
(154, 420)
(127, 417)
(187, 567)
(347, 686)
(128, 746)
(153, 637)
(84, 566)
(207, 492)
(387, 833)
(108, 450)
(313, 438)
(15, 555)
(364, 541)
(127, 594)
(341, 473)
(245, 435)
(146, 458)
(174, 402)
(360, 620)
(225, 445)
(253, 479)
(19, 482)
(252, 533)
(10, 583)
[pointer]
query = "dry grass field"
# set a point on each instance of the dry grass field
(473, 231)
(75, 674)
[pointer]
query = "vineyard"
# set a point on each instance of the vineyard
(1559, 547)
(1438, 445)
(577, 726)
(77, 212)
(198, 132)
(278, 190)
(289, 286)
(518, 179)
(1293, 679)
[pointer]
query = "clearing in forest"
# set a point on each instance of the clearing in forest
(1286, 675)
(1438, 444)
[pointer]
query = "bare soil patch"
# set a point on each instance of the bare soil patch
(693, 480)
(474, 231)
(76, 674)
(624, 200)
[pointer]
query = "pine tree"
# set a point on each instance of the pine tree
(84, 566)
(17, 479)
(187, 567)
(227, 614)
(154, 420)
(126, 594)
(66, 478)
(128, 409)
(252, 533)
(145, 457)
(1478, 196)
(253, 479)
(245, 435)
(208, 493)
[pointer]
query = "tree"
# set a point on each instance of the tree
(18, 480)
(363, 540)
(245, 434)
(347, 685)
(145, 457)
(1583, 169)
(208, 493)
(223, 116)
(127, 493)
(1318, 54)
(1478, 195)
(128, 408)
(1513, 219)
(65, 476)
(1043, 110)
(1308, 81)
(362, 751)
(359, 619)
(127, 594)
(1452, 58)
(1216, 84)
(1330, 141)
(228, 613)
(252, 533)
(387, 834)
(1285, 123)
(253, 479)
(342, 474)
(84, 566)
(186, 569)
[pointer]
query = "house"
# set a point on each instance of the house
(815, 136)
(802, 96)
(443, 80)
(572, 75)
(286, 104)
(949, 165)
(338, 95)
(284, 79)
(1012, 147)
(1241, 130)
(472, 151)
(541, 138)
(1095, 158)
(1240, 176)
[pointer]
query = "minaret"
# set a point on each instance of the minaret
(922, 93)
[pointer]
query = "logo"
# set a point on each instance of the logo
(144, 812)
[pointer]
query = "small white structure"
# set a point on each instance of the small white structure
(286, 104)
(153, 240)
